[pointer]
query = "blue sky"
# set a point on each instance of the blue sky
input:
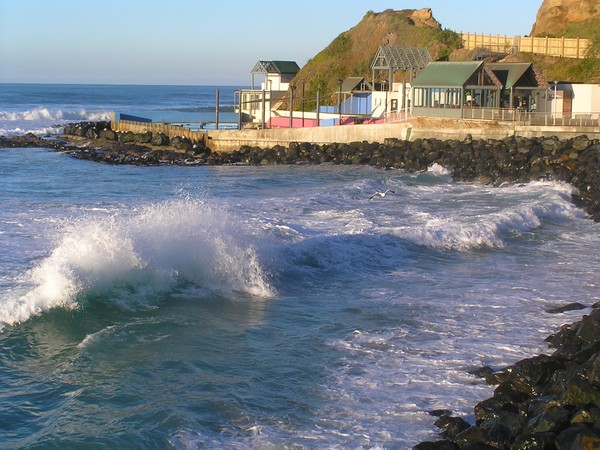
(212, 42)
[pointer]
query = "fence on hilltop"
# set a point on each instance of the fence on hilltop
(559, 47)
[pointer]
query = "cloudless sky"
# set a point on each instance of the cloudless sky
(211, 42)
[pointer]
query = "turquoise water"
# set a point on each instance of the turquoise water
(267, 307)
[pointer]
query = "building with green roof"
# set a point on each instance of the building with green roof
(444, 89)
(456, 89)
(256, 105)
(522, 85)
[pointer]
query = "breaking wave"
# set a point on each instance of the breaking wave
(42, 113)
(464, 232)
(44, 121)
(133, 260)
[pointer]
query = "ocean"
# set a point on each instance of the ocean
(260, 307)
(43, 109)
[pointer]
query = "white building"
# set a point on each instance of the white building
(256, 105)
(576, 99)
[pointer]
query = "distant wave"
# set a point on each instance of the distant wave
(39, 131)
(193, 109)
(133, 261)
(45, 114)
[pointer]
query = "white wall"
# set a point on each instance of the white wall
(586, 98)
(273, 82)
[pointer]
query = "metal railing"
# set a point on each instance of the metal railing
(397, 116)
(523, 117)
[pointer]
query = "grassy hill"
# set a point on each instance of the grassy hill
(352, 52)
(580, 71)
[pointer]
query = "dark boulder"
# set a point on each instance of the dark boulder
(181, 143)
(569, 307)
(159, 139)
(108, 134)
(452, 426)
(578, 437)
(143, 138)
(126, 137)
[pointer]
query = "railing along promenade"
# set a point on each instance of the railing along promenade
(560, 47)
(591, 119)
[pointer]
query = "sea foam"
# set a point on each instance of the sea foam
(44, 121)
(533, 204)
(133, 259)
(42, 113)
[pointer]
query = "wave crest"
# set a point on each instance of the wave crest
(135, 259)
(42, 113)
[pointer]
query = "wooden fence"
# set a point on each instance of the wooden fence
(561, 47)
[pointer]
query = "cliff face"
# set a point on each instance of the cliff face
(554, 16)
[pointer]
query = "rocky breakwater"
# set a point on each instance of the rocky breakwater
(541, 403)
(98, 142)
(513, 160)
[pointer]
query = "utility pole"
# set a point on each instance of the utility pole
(302, 102)
(292, 106)
(217, 112)
(340, 101)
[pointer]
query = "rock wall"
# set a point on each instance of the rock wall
(489, 161)
(555, 15)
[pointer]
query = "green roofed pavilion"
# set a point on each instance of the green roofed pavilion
(475, 89)
(445, 74)
(444, 89)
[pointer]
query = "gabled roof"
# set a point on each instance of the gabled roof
(400, 58)
(446, 74)
(455, 74)
(288, 67)
(353, 84)
(517, 75)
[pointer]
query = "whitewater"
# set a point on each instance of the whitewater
(260, 307)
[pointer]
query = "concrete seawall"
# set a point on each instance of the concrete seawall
(231, 140)
(417, 128)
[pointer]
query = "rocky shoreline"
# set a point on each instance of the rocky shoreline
(544, 402)
(540, 403)
(511, 160)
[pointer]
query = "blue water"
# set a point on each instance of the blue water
(44, 108)
(268, 307)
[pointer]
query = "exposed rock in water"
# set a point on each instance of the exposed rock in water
(544, 402)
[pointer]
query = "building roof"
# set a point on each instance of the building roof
(456, 74)
(288, 67)
(517, 75)
(446, 74)
(400, 58)
(353, 84)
